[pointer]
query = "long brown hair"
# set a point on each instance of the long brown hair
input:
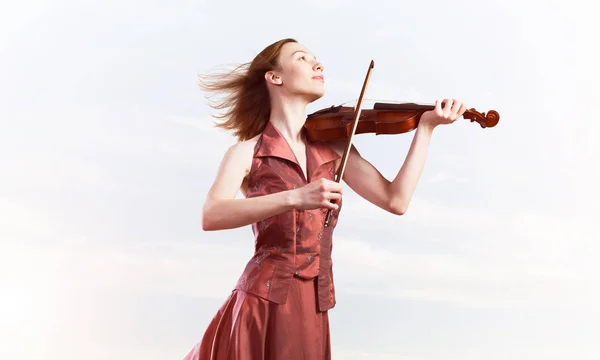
(246, 99)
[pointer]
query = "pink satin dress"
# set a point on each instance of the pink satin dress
(278, 309)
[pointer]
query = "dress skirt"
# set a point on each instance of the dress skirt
(248, 327)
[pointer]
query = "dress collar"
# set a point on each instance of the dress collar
(272, 143)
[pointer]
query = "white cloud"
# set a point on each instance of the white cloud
(193, 269)
(487, 259)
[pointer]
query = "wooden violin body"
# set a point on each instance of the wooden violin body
(336, 122)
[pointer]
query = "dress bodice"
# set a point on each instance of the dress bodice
(295, 242)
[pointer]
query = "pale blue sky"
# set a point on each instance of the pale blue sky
(108, 152)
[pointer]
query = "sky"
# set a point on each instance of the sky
(108, 150)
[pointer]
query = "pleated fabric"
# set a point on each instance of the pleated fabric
(248, 327)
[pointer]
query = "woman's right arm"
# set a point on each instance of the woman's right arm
(223, 211)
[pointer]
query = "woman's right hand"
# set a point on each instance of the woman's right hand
(320, 193)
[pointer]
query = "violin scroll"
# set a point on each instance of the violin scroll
(488, 120)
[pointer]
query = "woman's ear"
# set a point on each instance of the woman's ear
(272, 78)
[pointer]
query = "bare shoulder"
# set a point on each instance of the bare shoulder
(236, 165)
(241, 154)
(234, 168)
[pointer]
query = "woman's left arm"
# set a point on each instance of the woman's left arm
(395, 196)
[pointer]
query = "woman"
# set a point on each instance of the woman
(279, 307)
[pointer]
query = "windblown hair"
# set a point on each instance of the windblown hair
(246, 98)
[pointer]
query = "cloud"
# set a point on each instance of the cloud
(470, 258)
(199, 269)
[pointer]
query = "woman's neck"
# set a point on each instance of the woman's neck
(289, 117)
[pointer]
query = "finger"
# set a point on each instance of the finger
(334, 186)
(463, 108)
(439, 110)
(456, 106)
(454, 111)
(447, 107)
(330, 205)
(334, 196)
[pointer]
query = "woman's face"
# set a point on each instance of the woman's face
(299, 73)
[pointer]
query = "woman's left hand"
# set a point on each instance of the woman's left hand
(451, 110)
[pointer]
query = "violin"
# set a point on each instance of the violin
(343, 122)
(384, 118)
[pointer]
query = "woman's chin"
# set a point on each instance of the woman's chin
(316, 94)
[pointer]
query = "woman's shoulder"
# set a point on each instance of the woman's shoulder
(240, 156)
(241, 153)
(244, 148)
